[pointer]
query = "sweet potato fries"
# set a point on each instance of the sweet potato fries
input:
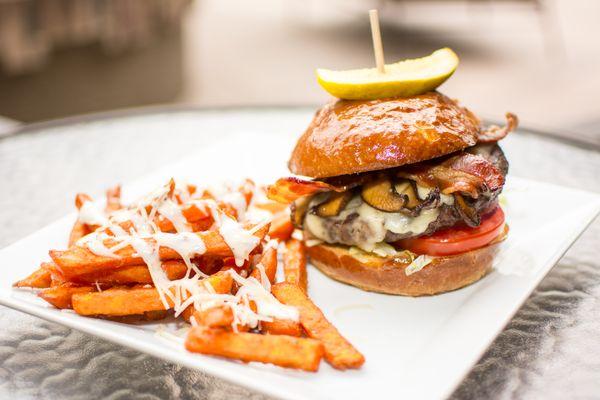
(208, 257)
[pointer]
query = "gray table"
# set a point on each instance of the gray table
(551, 348)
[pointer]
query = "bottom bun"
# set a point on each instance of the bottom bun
(386, 275)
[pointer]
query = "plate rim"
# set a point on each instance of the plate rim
(567, 243)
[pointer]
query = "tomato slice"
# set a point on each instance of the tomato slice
(457, 240)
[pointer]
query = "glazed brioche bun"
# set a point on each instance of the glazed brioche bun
(352, 136)
(386, 275)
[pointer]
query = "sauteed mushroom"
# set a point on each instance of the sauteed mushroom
(334, 204)
(401, 196)
(380, 194)
(432, 200)
(408, 189)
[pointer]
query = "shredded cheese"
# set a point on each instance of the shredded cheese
(418, 264)
(171, 211)
(91, 213)
(252, 302)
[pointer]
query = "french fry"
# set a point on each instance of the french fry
(193, 213)
(294, 263)
(338, 351)
(39, 279)
(155, 315)
(215, 317)
(165, 225)
(118, 302)
(137, 300)
(277, 326)
(284, 351)
(272, 207)
(269, 263)
(247, 189)
(135, 274)
(78, 260)
(281, 327)
(56, 276)
(188, 313)
(81, 198)
(281, 226)
(189, 188)
(221, 282)
(78, 231)
(113, 199)
(61, 296)
(199, 218)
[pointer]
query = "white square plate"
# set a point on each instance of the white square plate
(417, 347)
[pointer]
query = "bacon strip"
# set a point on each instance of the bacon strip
(478, 166)
(286, 190)
(495, 133)
(465, 173)
(448, 180)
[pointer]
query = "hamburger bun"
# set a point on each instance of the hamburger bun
(386, 275)
(352, 136)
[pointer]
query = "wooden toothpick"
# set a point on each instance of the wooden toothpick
(377, 45)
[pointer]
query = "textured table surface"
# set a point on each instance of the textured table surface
(549, 350)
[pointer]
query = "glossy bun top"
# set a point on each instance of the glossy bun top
(352, 136)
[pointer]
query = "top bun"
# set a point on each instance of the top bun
(352, 136)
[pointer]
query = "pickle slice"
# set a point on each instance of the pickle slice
(402, 79)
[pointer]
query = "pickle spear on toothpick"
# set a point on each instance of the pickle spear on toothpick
(401, 79)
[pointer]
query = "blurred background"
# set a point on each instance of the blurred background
(537, 58)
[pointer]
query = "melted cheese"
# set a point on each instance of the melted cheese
(240, 241)
(186, 244)
(92, 214)
(149, 253)
(378, 222)
(95, 242)
(172, 211)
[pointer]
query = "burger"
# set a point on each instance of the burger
(399, 195)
